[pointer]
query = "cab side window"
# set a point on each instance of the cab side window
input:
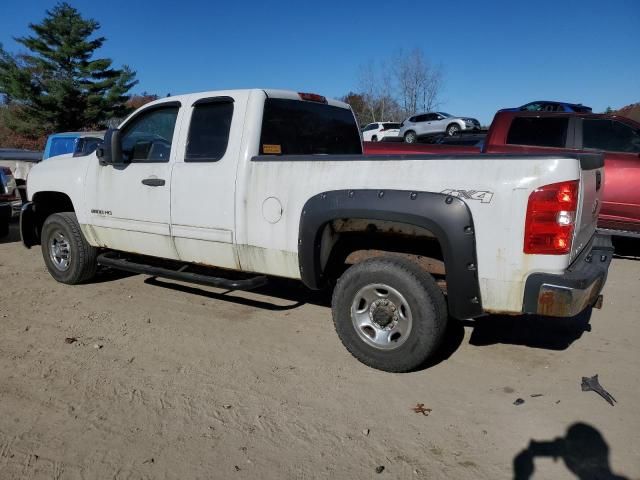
(209, 130)
(148, 137)
(610, 135)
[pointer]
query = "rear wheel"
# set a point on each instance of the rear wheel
(410, 137)
(68, 256)
(453, 129)
(389, 313)
(374, 138)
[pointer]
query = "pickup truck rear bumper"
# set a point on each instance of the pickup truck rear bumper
(577, 289)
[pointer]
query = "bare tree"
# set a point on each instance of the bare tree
(396, 88)
(368, 86)
(419, 82)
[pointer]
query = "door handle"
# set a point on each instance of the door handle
(153, 182)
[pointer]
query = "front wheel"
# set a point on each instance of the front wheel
(410, 137)
(68, 256)
(389, 313)
(453, 129)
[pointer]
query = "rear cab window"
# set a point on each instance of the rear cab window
(298, 127)
(539, 132)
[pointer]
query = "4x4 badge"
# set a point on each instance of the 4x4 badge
(484, 196)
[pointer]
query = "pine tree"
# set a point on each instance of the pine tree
(59, 85)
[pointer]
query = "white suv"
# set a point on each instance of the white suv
(380, 131)
(435, 123)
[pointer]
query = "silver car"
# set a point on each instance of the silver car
(434, 124)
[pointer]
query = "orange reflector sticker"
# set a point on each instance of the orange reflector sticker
(272, 149)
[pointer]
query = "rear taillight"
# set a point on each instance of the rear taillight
(551, 217)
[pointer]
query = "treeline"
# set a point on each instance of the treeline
(397, 87)
(60, 84)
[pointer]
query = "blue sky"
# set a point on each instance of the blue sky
(495, 54)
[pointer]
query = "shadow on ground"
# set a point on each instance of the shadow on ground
(531, 331)
(550, 333)
(583, 450)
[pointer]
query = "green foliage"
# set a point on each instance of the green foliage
(59, 85)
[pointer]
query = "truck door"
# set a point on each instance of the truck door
(204, 178)
(129, 205)
(621, 144)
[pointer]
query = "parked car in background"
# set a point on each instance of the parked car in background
(78, 143)
(549, 106)
(10, 202)
(19, 163)
(431, 125)
(380, 131)
(550, 132)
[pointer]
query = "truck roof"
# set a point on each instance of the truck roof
(270, 92)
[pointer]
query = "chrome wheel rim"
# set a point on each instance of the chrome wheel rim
(381, 316)
(59, 251)
(453, 131)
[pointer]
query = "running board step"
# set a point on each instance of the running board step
(120, 263)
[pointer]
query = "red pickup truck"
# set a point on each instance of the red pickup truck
(538, 132)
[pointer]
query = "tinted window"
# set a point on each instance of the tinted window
(209, 131)
(86, 145)
(531, 107)
(60, 146)
(421, 118)
(294, 127)
(148, 137)
(371, 126)
(391, 125)
(610, 135)
(542, 132)
(413, 119)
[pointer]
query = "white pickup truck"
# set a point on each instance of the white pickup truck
(274, 183)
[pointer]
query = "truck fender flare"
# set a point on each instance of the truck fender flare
(447, 217)
(28, 225)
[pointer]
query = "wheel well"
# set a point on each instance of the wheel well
(349, 241)
(46, 204)
(409, 131)
(453, 123)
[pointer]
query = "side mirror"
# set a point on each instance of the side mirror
(110, 152)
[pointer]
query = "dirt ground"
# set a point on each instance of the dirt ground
(171, 381)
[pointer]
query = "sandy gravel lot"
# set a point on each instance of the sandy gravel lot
(170, 381)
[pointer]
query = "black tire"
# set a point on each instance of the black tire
(4, 228)
(81, 257)
(410, 137)
(427, 309)
(374, 138)
(453, 129)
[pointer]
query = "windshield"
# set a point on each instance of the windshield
(445, 114)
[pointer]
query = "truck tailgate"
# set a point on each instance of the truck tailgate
(590, 200)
